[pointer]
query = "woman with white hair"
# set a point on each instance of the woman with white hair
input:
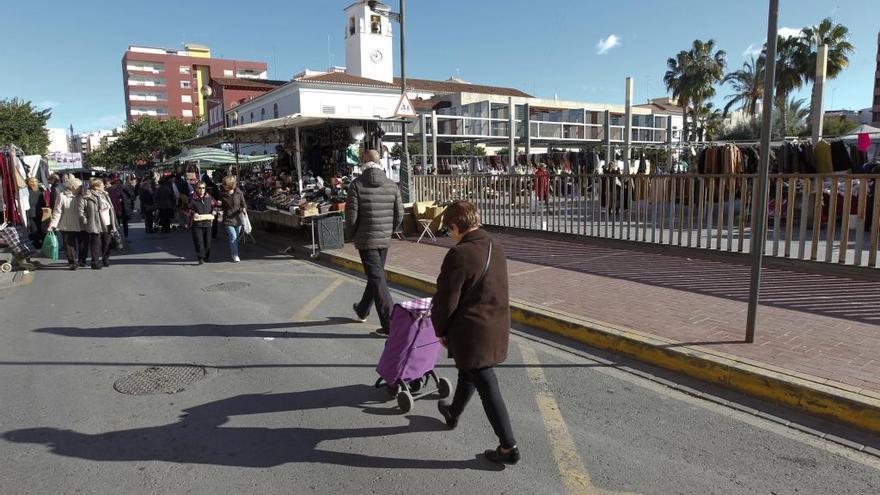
(99, 221)
(65, 217)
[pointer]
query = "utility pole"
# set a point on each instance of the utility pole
(763, 172)
(405, 168)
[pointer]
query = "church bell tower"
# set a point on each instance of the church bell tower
(368, 42)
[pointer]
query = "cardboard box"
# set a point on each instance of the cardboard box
(420, 209)
(308, 210)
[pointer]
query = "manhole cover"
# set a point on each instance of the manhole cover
(159, 380)
(226, 287)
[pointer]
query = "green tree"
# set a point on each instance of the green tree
(692, 75)
(153, 139)
(24, 126)
(468, 149)
(836, 38)
(837, 126)
(414, 149)
(748, 86)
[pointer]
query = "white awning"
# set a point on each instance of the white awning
(272, 130)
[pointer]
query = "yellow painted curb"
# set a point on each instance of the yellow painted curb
(796, 390)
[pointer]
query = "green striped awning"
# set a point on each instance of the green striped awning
(215, 155)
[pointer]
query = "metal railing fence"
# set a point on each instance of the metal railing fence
(823, 218)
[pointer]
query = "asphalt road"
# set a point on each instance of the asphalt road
(287, 404)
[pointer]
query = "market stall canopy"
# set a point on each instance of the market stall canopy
(862, 129)
(209, 156)
(272, 130)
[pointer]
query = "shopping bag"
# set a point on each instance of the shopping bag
(50, 246)
(116, 241)
(246, 223)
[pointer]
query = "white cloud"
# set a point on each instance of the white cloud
(608, 43)
(787, 32)
(47, 104)
(753, 50)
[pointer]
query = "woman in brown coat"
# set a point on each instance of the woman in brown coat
(471, 316)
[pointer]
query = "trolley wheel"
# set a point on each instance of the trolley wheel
(6, 268)
(444, 387)
(405, 401)
(393, 391)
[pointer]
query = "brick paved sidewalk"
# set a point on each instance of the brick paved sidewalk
(820, 325)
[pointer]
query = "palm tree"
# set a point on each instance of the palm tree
(748, 86)
(692, 74)
(836, 38)
(792, 120)
(677, 83)
(789, 69)
(709, 121)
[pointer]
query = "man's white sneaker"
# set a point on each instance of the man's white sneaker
(235, 259)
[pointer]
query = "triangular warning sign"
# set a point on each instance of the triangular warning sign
(404, 107)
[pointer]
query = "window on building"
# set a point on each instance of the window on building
(351, 26)
(184, 69)
(375, 24)
(185, 84)
(328, 109)
(228, 121)
(227, 73)
(187, 112)
(262, 114)
(275, 110)
(186, 98)
(252, 116)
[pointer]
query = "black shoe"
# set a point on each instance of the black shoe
(360, 318)
(511, 457)
(71, 267)
(96, 267)
(106, 263)
(381, 332)
(201, 262)
(82, 264)
(451, 421)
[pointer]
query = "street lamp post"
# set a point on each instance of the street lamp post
(760, 233)
(405, 169)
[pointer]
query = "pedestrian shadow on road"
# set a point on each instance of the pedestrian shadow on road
(199, 437)
(281, 330)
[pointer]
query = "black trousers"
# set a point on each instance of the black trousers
(202, 242)
(486, 384)
(376, 290)
(72, 242)
(165, 215)
(100, 244)
(123, 220)
(149, 215)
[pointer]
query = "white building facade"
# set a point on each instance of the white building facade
(366, 87)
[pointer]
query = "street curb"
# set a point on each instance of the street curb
(827, 398)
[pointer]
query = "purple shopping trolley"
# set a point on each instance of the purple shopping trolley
(406, 367)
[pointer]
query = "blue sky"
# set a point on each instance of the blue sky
(67, 55)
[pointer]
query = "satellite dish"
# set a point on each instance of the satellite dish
(207, 91)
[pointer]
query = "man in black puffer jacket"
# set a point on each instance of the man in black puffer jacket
(373, 212)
